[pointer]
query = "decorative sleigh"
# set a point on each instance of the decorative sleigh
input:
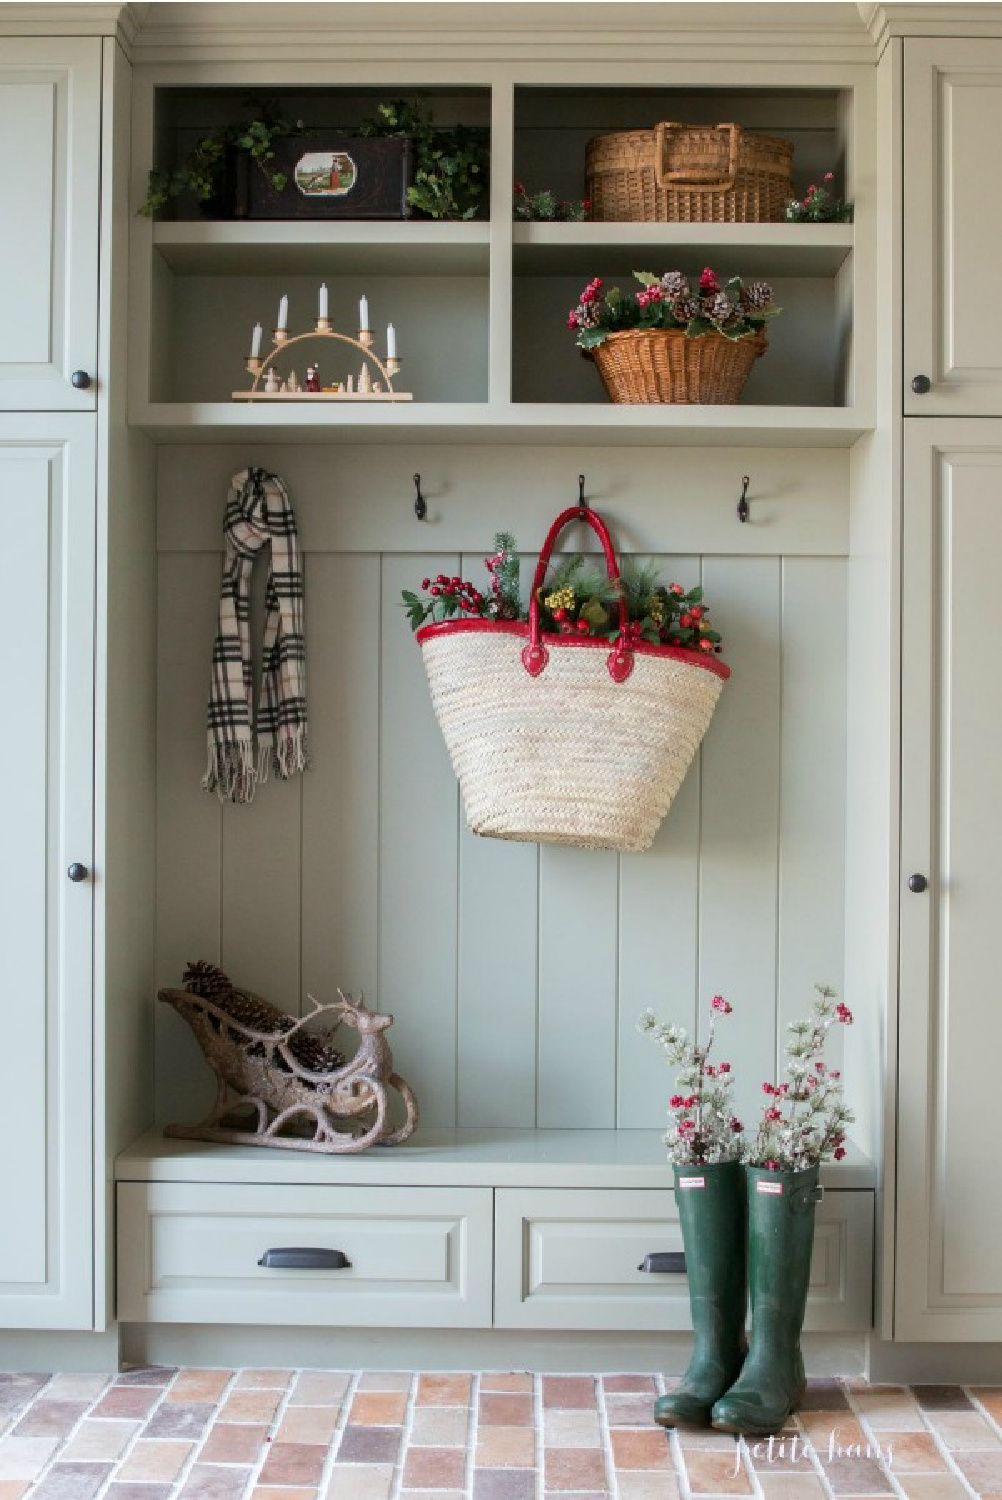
(303, 1094)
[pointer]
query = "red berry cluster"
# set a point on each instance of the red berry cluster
(456, 591)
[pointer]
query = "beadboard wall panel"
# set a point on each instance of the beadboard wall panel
(516, 972)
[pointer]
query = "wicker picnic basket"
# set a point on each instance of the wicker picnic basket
(504, 693)
(690, 174)
(664, 364)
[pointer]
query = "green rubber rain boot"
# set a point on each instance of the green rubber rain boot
(711, 1210)
(781, 1209)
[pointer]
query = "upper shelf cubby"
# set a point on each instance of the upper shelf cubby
(553, 126)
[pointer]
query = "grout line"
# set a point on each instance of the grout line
(141, 1425)
(406, 1428)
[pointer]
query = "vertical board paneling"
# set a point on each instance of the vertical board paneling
(578, 940)
(418, 857)
(498, 932)
(340, 881)
(739, 851)
(189, 823)
(261, 876)
(658, 917)
(498, 916)
(812, 789)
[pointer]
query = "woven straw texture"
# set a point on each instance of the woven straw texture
(524, 777)
(690, 174)
(646, 365)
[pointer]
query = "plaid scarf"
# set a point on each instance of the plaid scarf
(258, 511)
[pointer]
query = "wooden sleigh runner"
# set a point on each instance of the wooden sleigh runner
(301, 1092)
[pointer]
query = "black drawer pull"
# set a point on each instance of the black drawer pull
(664, 1260)
(309, 1258)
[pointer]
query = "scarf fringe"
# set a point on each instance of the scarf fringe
(231, 772)
(290, 753)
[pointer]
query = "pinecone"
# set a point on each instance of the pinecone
(755, 295)
(685, 308)
(312, 1051)
(207, 980)
(674, 284)
(588, 314)
(721, 309)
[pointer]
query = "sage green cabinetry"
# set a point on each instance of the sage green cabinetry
(948, 1282)
(948, 1218)
(47, 524)
(952, 226)
(50, 138)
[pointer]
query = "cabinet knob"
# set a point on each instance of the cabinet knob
(917, 883)
(80, 380)
(77, 872)
(921, 385)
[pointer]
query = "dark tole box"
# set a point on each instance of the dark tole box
(328, 178)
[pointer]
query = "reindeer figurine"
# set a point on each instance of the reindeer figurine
(264, 1059)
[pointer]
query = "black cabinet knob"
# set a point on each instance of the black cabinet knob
(77, 872)
(921, 385)
(80, 380)
(917, 883)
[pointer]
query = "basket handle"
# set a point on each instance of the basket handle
(705, 181)
(535, 655)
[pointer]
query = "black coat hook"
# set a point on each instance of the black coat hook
(420, 504)
(743, 502)
(581, 494)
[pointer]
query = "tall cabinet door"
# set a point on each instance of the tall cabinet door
(50, 122)
(47, 562)
(949, 1208)
(952, 227)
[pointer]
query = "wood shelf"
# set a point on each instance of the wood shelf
(478, 422)
(733, 249)
(311, 248)
(443, 1157)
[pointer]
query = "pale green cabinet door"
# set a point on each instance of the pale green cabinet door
(47, 539)
(948, 1282)
(50, 145)
(952, 227)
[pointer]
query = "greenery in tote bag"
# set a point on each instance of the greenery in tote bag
(735, 309)
(577, 598)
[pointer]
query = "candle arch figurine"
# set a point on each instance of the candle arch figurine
(374, 384)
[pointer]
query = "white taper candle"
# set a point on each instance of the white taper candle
(256, 340)
(363, 312)
(391, 341)
(283, 313)
(323, 300)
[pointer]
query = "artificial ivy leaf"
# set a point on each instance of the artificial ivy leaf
(589, 337)
(699, 326)
(647, 278)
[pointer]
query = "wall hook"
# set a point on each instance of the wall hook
(420, 504)
(743, 502)
(581, 494)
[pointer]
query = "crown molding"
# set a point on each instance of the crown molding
(63, 18)
(982, 18)
(499, 30)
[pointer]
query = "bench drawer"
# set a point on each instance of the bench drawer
(417, 1257)
(570, 1258)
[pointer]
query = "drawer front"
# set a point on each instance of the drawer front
(570, 1259)
(418, 1257)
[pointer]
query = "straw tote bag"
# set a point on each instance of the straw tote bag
(504, 694)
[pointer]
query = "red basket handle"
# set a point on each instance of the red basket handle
(704, 181)
(535, 655)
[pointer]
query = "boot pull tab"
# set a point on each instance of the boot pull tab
(806, 1198)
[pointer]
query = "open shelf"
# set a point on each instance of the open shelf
(733, 249)
(480, 422)
(316, 248)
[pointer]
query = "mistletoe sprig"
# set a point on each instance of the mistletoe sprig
(804, 1122)
(819, 205)
(704, 1128)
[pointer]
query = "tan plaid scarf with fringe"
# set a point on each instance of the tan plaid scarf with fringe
(258, 513)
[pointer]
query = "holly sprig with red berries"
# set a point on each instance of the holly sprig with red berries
(450, 598)
(703, 1126)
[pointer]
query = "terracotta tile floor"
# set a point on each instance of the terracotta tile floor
(153, 1434)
